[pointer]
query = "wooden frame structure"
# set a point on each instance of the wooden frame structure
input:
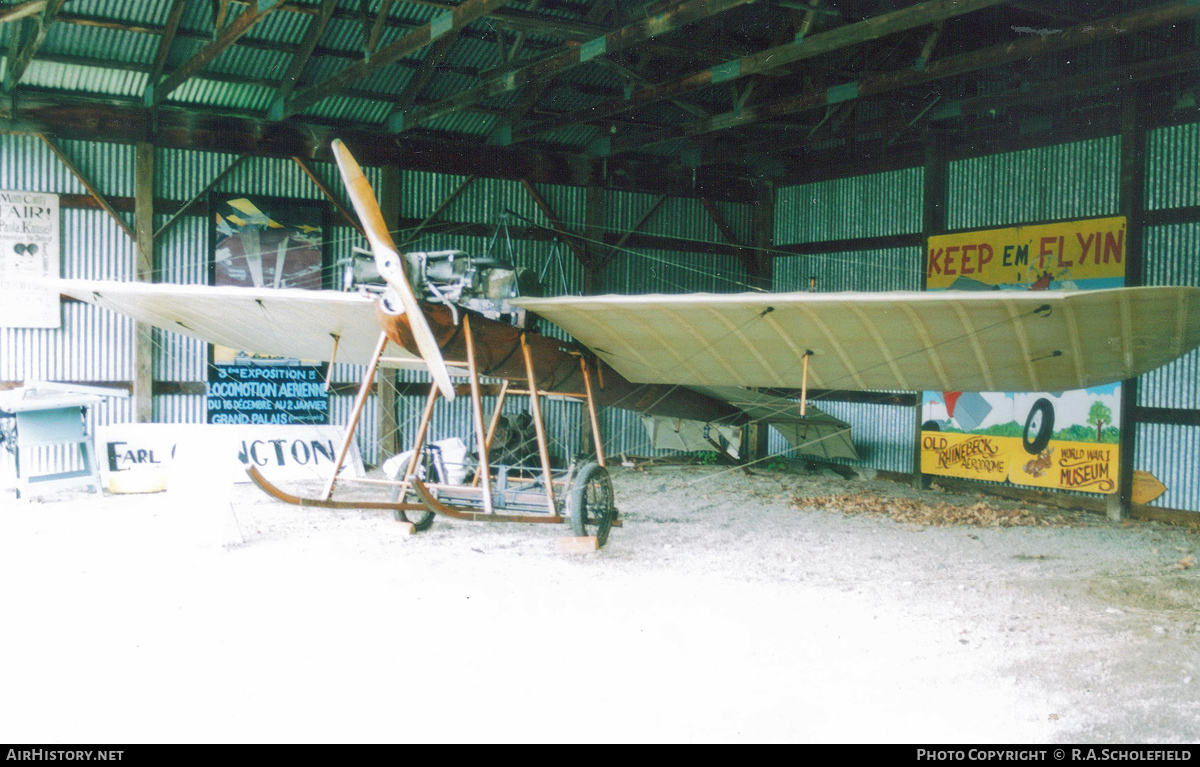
(549, 496)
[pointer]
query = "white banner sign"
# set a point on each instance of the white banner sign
(280, 452)
(29, 252)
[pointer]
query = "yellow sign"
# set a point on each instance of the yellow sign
(971, 456)
(1084, 466)
(1090, 467)
(1146, 487)
(1033, 255)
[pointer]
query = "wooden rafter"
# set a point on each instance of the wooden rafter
(744, 254)
(424, 73)
(198, 196)
(377, 27)
(615, 248)
(337, 204)
(1110, 28)
(226, 36)
(449, 21)
(164, 44)
(572, 56)
(530, 94)
(412, 236)
(296, 66)
(556, 224)
(87, 184)
(220, 14)
(21, 10)
(26, 38)
(766, 60)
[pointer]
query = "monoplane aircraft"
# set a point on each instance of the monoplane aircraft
(694, 358)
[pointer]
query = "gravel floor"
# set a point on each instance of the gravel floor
(726, 608)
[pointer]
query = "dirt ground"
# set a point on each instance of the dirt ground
(727, 608)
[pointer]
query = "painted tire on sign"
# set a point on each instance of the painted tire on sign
(1038, 427)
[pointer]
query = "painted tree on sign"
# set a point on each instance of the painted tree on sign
(1098, 416)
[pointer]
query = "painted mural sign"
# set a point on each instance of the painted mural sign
(29, 252)
(1064, 440)
(266, 243)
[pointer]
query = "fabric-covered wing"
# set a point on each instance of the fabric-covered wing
(283, 322)
(951, 341)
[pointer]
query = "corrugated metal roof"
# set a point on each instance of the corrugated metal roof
(74, 77)
(221, 94)
(100, 43)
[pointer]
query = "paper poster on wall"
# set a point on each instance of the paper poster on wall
(1064, 440)
(264, 242)
(29, 252)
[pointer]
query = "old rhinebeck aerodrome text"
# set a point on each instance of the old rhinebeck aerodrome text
(1076, 755)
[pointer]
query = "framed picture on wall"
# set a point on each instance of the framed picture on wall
(270, 243)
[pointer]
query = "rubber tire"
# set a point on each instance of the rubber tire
(420, 520)
(1037, 443)
(590, 502)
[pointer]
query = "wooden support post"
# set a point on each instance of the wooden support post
(422, 431)
(763, 224)
(535, 406)
(804, 386)
(933, 222)
(494, 422)
(593, 420)
(364, 390)
(143, 334)
(485, 479)
(1131, 196)
(593, 238)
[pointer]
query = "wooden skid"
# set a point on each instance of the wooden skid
(267, 487)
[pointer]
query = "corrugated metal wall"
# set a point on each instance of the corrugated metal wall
(1171, 256)
(875, 205)
(1076, 180)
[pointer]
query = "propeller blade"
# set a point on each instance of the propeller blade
(390, 264)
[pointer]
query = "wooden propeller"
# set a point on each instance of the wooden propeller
(390, 264)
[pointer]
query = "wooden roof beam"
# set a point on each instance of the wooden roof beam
(1073, 37)
(26, 38)
(316, 28)
(919, 15)
(21, 10)
(570, 57)
(425, 72)
(448, 22)
(156, 93)
(164, 43)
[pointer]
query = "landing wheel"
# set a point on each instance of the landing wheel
(427, 471)
(590, 502)
(1038, 427)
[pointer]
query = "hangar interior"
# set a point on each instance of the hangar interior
(663, 147)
